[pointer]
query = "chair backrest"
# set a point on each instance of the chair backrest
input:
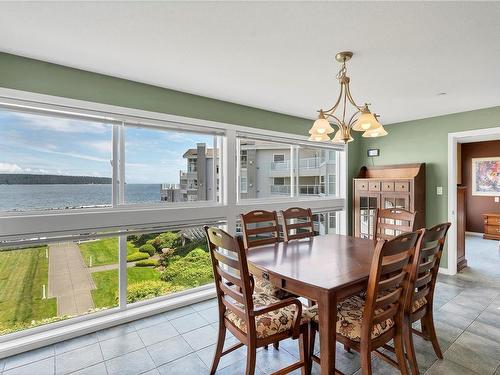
(297, 223)
(391, 222)
(260, 228)
(232, 278)
(388, 281)
(425, 268)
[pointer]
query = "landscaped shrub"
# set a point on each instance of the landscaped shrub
(140, 239)
(148, 248)
(166, 240)
(191, 245)
(193, 270)
(147, 263)
(148, 289)
(137, 256)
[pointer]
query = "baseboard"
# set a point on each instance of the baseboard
(474, 234)
(444, 271)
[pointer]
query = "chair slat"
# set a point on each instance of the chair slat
(386, 314)
(403, 221)
(424, 267)
(429, 251)
(229, 277)
(291, 230)
(235, 309)
(231, 262)
(391, 282)
(421, 294)
(261, 230)
(424, 280)
(388, 299)
(237, 296)
(401, 228)
(393, 266)
(300, 226)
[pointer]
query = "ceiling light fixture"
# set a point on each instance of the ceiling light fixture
(361, 120)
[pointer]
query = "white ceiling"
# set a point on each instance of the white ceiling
(276, 55)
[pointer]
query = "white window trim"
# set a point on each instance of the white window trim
(120, 218)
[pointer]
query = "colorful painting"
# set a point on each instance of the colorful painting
(486, 176)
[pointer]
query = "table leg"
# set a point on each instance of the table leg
(327, 308)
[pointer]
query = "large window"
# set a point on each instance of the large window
(53, 163)
(124, 201)
(169, 166)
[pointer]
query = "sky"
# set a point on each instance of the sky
(53, 145)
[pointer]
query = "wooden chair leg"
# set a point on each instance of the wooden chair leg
(251, 358)
(312, 341)
(276, 345)
(410, 349)
(304, 351)
(366, 360)
(431, 330)
(219, 348)
(400, 353)
(347, 348)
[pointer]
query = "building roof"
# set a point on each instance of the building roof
(209, 153)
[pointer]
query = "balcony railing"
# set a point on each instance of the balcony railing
(303, 189)
(305, 163)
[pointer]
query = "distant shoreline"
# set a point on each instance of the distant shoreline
(51, 179)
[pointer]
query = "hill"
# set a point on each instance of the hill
(50, 179)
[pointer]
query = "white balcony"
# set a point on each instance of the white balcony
(303, 189)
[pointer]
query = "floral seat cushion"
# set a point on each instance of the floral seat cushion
(265, 287)
(350, 319)
(271, 323)
(418, 304)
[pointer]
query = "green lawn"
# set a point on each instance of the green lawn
(103, 251)
(107, 283)
(22, 274)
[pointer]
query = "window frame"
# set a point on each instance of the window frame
(124, 218)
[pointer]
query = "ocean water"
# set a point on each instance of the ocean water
(46, 197)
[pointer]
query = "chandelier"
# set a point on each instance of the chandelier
(361, 120)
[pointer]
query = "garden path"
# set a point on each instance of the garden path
(69, 279)
(108, 267)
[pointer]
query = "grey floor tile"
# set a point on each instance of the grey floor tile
(207, 355)
(43, 367)
(200, 306)
(177, 313)
(452, 319)
(150, 321)
(121, 345)
(77, 342)
(99, 369)
(446, 367)
(485, 330)
(472, 359)
(189, 322)
(189, 365)
(455, 308)
(28, 357)
(237, 368)
(480, 344)
(272, 360)
(78, 359)
(211, 314)
(488, 317)
(157, 333)
(112, 332)
(201, 338)
(169, 350)
(151, 372)
(131, 363)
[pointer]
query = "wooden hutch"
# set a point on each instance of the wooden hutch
(391, 186)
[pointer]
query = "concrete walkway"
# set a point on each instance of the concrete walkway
(108, 267)
(69, 279)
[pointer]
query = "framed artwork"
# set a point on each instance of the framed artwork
(486, 176)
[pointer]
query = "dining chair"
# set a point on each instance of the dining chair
(261, 227)
(297, 223)
(419, 302)
(391, 222)
(255, 320)
(367, 323)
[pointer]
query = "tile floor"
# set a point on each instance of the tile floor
(182, 341)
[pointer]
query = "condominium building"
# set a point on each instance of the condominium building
(266, 170)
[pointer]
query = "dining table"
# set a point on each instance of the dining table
(325, 269)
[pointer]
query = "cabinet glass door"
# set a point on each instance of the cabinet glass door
(367, 209)
(395, 201)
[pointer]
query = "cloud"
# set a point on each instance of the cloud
(10, 168)
(60, 124)
(101, 146)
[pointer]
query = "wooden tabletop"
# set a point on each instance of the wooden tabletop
(328, 262)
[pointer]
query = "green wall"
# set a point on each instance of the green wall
(25, 74)
(426, 141)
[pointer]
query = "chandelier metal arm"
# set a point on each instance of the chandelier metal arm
(337, 120)
(349, 96)
(334, 108)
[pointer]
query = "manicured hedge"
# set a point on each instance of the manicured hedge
(137, 256)
(148, 248)
(147, 263)
(193, 270)
(149, 289)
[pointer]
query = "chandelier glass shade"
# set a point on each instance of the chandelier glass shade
(357, 118)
